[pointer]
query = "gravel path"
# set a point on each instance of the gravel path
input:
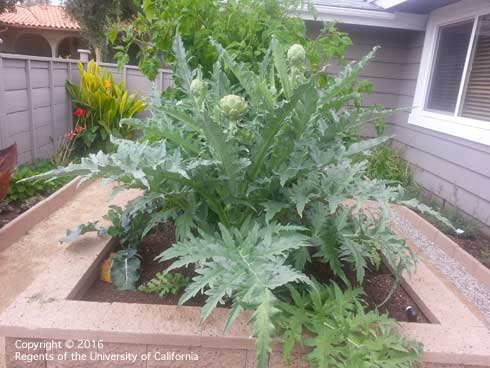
(471, 288)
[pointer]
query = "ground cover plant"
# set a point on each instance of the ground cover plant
(259, 181)
(20, 191)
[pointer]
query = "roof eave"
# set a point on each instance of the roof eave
(374, 18)
(25, 26)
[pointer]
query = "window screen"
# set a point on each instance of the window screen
(448, 67)
(476, 103)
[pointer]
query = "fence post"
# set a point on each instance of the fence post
(52, 106)
(3, 123)
(84, 55)
(30, 106)
(70, 105)
(125, 76)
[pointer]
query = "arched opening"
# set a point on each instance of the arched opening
(133, 54)
(32, 44)
(67, 48)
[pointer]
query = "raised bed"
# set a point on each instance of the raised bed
(166, 335)
(16, 228)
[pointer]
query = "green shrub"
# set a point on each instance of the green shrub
(258, 181)
(244, 27)
(386, 163)
(100, 104)
(20, 191)
(165, 283)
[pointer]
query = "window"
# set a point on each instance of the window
(460, 81)
(452, 95)
(476, 102)
(448, 67)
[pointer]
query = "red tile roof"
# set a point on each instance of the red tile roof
(40, 16)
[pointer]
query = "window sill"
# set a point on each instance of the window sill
(470, 129)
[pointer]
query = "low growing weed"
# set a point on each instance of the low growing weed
(20, 190)
(165, 283)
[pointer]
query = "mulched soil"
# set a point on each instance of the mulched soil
(377, 284)
(478, 246)
(9, 212)
(150, 248)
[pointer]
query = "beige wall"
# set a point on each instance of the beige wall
(35, 108)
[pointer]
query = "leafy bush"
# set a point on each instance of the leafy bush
(243, 27)
(386, 163)
(165, 283)
(20, 191)
(258, 181)
(100, 104)
(339, 332)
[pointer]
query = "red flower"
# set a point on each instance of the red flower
(70, 135)
(79, 129)
(80, 112)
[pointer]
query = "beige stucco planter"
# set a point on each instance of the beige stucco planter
(84, 334)
(16, 228)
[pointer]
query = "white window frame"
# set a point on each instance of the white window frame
(466, 128)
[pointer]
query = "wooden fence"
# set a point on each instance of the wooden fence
(35, 108)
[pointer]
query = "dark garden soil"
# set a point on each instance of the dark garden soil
(377, 284)
(9, 212)
(478, 246)
(151, 247)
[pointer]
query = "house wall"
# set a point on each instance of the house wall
(455, 170)
(35, 108)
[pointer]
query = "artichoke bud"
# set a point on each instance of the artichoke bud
(197, 87)
(233, 106)
(296, 55)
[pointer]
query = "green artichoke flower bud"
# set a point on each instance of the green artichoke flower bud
(233, 106)
(197, 87)
(296, 55)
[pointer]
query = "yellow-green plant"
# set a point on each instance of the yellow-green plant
(105, 102)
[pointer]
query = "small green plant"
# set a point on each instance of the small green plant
(386, 163)
(125, 269)
(100, 105)
(334, 325)
(19, 190)
(165, 283)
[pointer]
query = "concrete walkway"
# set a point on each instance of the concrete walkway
(29, 256)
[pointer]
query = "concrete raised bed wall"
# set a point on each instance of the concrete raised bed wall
(16, 228)
(47, 311)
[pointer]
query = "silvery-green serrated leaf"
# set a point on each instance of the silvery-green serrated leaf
(415, 204)
(365, 145)
(263, 328)
(71, 235)
(272, 208)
